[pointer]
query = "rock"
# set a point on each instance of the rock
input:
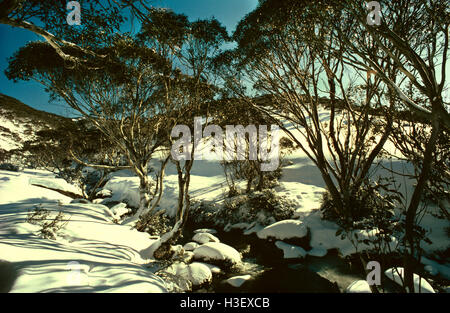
(190, 246)
(205, 237)
(217, 251)
(318, 252)
(205, 230)
(431, 270)
(421, 285)
(237, 281)
(359, 286)
(291, 251)
(284, 230)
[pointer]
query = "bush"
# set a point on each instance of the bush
(9, 167)
(154, 224)
(49, 226)
(264, 207)
(370, 200)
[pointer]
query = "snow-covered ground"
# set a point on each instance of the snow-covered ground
(92, 253)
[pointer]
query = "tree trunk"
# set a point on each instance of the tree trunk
(164, 250)
(144, 195)
(409, 256)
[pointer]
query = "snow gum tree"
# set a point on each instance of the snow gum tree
(119, 99)
(413, 36)
(187, 87)
(289, 55)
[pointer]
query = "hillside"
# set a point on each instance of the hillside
(20, 122)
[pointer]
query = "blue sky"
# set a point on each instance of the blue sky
(228, 12)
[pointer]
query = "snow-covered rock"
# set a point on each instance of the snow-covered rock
(242, 226)
(119, 209)
(431, 270)
(359, 286)
(190, 246)
(187, 256)
(197, 273)
(214, 268)
(291, 251)
(237, 281)
(205, 237)
(421, 285)
(205, 230)
(104, 193)
(217, 251)
(284, 230)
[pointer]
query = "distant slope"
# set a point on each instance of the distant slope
(19, 122)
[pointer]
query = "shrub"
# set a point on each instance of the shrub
(49, 226)
(9, 167)
(154, 224)
(264, 207)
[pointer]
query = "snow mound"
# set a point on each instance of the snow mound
(284, 230)
(359, 286)
(119, 209)
(205, 230)
(237, 281)
(214, 269)
(291, 251)
(190, 246)
(217, 251)
(420, 284)
(197, 273)
(205, 237)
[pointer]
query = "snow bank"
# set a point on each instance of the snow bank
(90, 254)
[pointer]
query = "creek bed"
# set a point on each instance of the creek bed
(270, 272)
